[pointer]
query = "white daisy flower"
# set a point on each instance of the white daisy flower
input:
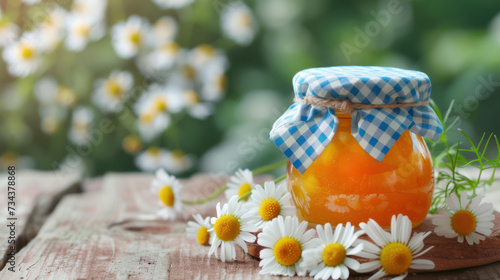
(111, 93)
(200, 230)
(214, 85)
(268, 202)
(240, 183)
(52, 29)
(395, 251)
(48, 91)
(79, 132)
(8, 32)
(471, 220)
(130, 36)
(92, 9)
(153, 108)
(51, 117)
(238, 23)
(172, 4)
(206, 59)
(195, 106)
(284, 240)
(24, 56)
(231, 226)
(12, 159)
(178, 162)
(163, 58)
(330, 259)
(82, 30)
(152, 159)
(168, 189)
(163, 31)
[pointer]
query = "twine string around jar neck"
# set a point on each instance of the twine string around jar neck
(346, 106)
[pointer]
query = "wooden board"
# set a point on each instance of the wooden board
(110, 233)
(37, 193)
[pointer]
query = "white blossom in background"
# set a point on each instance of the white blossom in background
(93, 10)
(51, 117)
(24, 56)
(111, 93)
(48, 91)
(81, 30)
(12, 159)
(130, 36)
(81, 122)
(8, 32)
(177, 162)
(163, 31)
(238, 23)
(163, 58)
(172, 4)
(152, 159)
(52, 29)
(153, 109)
(495, 28)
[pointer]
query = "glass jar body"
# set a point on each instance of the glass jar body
(346, 184)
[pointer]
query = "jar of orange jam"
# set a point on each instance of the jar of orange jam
(376, 163)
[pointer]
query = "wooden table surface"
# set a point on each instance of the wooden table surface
(105, 228)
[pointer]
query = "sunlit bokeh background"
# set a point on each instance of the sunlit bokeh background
(195, 85)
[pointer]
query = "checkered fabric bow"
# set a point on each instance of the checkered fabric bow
(304, 131)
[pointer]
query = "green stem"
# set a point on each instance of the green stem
(211, 197)
(277, 180)
(269, 167)
(221, 189)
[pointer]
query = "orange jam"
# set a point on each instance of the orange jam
(346, 184)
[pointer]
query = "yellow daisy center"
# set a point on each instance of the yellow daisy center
(50, 125)
(27, 52)
(83, 30)
(171, 47)
(113, 88)
(166, 195)
(333, 254)
(146, 118)
(154, 151)
(192, 97)
(66, 96)
(189, 72)
(203, 235)
(341, 201)
(245, 20)
(82, 127)
(243, 190)
(178, 154)
(135, 37)
(463, 222)
(287, 251)
(9, 158)
(395, 258)
(221, 82)
(269, 209)
(227, 227)
(160, 104)
(132, 144)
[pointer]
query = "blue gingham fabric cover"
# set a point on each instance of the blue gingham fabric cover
(304, 131)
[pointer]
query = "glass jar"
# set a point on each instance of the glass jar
(346, 184)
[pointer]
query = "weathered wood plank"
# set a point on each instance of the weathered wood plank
(111, 233)
(37, 193)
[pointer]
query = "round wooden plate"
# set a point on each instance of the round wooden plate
(447, 253)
